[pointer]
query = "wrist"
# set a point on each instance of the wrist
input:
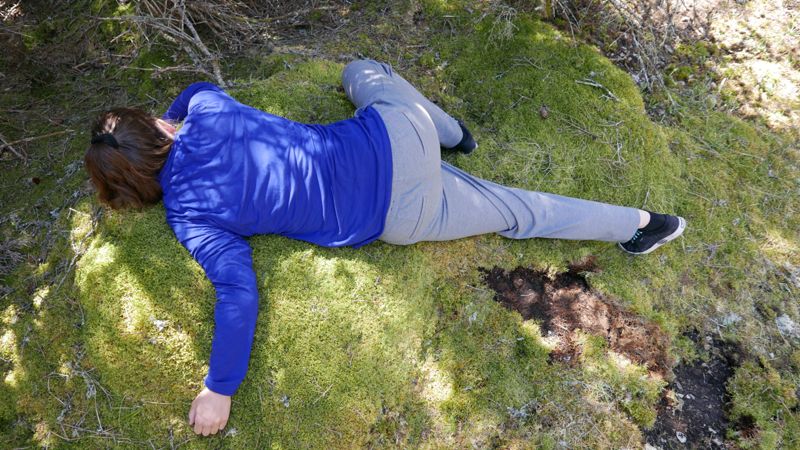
(227, 389)
(208, 389)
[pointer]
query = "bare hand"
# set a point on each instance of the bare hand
(209, 412)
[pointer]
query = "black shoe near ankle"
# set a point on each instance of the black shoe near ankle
(467, 144)
(644, 242)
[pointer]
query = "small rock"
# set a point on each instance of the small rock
(787, 326)
(518, 414)
(793, 271)
(159, 324)
(730, 319)
(544, 112)
(91, 391)
(681, 437)
(651, 447)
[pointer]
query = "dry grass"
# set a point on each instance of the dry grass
(638, 35)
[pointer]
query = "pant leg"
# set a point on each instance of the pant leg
(416, 173)
(368, 82)
(433, 201)
(415, 145)
(472, 206)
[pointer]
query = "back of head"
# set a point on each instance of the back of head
(127, 152)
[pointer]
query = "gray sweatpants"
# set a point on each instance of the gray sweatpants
(433, 201)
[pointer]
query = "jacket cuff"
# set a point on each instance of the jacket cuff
(221, 388)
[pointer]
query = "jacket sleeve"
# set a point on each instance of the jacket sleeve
(180, 106)
(227, 261)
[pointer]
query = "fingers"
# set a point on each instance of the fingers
(204, 430)
(192, 412)
(209, 413)
(207, 428)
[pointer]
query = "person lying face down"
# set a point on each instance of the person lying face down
(233, 171)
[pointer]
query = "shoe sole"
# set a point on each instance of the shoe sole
(675, 234)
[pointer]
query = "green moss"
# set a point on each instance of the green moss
(341, 350)
(428, 60)
(403, 346)
(613, 378)
(761, 395)
(696, 51)
(261, 67)
(680, 73)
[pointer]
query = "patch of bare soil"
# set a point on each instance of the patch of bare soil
(692, 411)
(564, 304)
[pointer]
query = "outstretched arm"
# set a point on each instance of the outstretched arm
(227, 261)
(180, 106)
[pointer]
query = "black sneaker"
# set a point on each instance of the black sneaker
(644, 242)
(467, 144)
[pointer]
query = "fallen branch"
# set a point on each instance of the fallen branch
(212, 58)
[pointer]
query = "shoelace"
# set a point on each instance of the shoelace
(636, 236)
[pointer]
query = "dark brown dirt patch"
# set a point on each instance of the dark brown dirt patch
(692, 411)
(565, 304)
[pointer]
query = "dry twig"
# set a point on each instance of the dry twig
(4, 144)
(590, 82)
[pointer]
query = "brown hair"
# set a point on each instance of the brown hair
(126, 174)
